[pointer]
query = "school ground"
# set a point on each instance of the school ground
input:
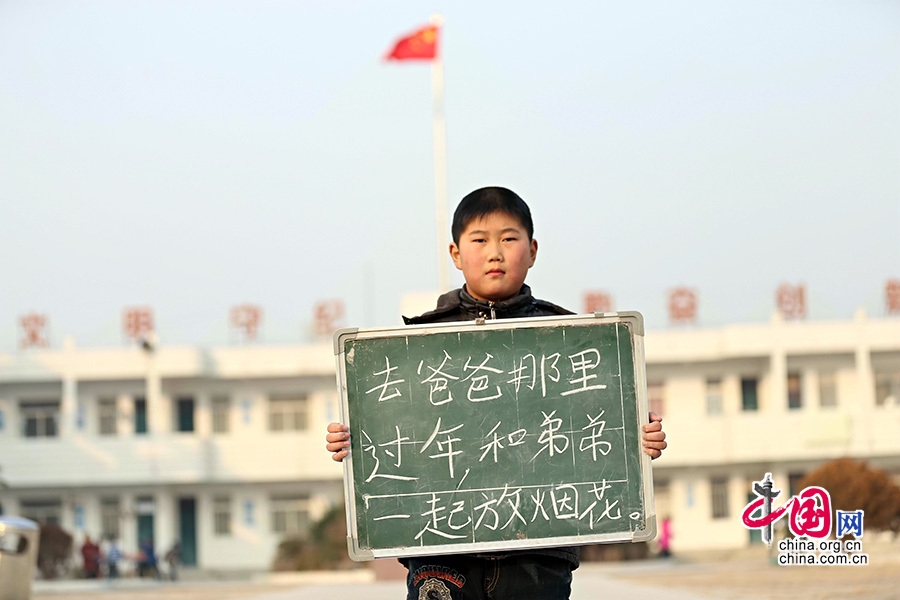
(740, 576)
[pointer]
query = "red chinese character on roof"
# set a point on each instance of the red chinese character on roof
(597, 302)
(682, 306)
(137, 322)
(892, 296)
(791, 300)
(33, 331)
(328, 315)
(245, 319)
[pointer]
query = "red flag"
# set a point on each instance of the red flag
(421, 45)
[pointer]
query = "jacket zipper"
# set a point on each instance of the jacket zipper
(493, 314)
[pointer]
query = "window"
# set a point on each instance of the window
(795, 398)
(749, 398)
(290, 515)
(249, 513)
(222, 515)
(40, 419)
(185, 414)
(107, 415)
(42, 511)
(140, 415)
(827, 389)
(713, 397)
(794, 480)
(887, 389)
(221, 414)
(287, 413)
(655, 398)
(719, 491)
(109, 518)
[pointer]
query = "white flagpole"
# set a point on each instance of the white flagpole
(440, 163)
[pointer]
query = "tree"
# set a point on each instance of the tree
(856, 486)
(54, 550)
(324, 548)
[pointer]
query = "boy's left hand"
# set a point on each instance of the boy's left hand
(653, 437)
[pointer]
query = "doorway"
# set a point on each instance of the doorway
(187, 530)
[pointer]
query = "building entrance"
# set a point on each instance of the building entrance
(187, 530)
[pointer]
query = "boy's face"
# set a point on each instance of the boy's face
(494, 254)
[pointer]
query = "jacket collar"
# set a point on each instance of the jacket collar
(503, 309)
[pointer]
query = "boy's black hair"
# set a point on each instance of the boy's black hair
(485, 201)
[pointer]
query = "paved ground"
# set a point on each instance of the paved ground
(759, 580)
(743, 577)
(755, 576)
(591, 582)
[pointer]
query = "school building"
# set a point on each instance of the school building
(780, 397)
(223, 449)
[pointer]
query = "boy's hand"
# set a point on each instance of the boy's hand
(338, 439)
(652, 436)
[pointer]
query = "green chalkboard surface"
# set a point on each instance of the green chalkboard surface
(492, 435)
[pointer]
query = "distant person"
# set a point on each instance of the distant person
(147, 565)
(665, 537)
(90, 555)
(494, 248)
(113, 556)
(173, 558)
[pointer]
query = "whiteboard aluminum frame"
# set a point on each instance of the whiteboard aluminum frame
(632, 318)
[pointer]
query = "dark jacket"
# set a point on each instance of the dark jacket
(459, 305)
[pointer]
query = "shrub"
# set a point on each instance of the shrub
(54, 550)
(853, 486)
(324, 548)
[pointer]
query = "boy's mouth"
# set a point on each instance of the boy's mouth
(496, 272)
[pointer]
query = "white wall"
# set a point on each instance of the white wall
(251, 463)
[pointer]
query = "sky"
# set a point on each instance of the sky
(195, 155)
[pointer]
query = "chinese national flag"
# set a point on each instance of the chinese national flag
(421, 45)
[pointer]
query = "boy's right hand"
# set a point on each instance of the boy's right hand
(338, 438)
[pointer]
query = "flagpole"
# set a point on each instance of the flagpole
(440, 164)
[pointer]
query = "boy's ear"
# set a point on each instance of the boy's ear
(454, 254)
(533, 251)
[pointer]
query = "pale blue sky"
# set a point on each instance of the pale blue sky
(196, 155)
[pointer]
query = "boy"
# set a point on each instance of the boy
(493, 245)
